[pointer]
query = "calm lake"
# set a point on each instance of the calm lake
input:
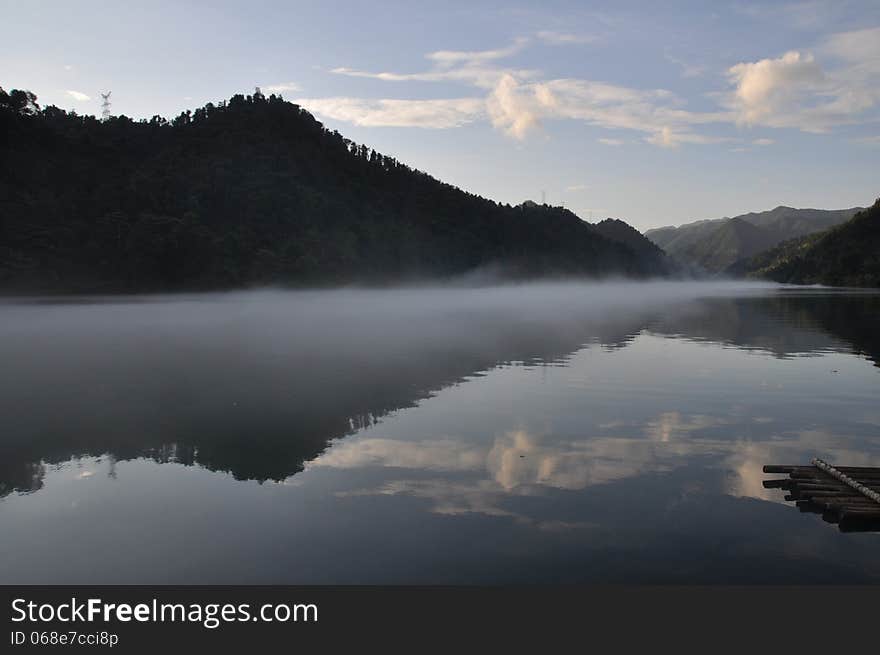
(540, 433)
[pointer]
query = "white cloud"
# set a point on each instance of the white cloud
(611, 142)
(655, 111)
(79, 96)
(667, 137)
(796, 91)
(793, 90)
(472, 67)
(574, 188)
(512, 107)
(476, 75)
(517, 101)
(766, 90)
(763, 142)
(388, 77)
(281, 87)
(449, 57)
(562, 38)
(436, 114)
(518, 107)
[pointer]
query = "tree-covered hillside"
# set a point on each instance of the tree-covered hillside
(845, 255)
(618, 230)
(731, 241)
(252, 191)
(715, 245)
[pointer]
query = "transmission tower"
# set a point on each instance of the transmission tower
(105, 106)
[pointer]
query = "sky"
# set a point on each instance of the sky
(655, 113)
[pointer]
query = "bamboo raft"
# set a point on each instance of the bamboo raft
(846, 495)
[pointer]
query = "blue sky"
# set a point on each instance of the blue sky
(654, 114)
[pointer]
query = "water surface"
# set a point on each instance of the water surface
(540, 433)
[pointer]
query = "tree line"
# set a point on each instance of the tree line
(251, 191)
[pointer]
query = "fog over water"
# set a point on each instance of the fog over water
(538, 432)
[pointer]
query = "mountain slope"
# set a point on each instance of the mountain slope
(251, 191)
(622, 232)
(678, 239)
(710, 245)
(845, 255)
(729, 242)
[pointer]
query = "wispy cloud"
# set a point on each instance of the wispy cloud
(79, 96)
(793, 90)
(472, 67)
(667, 137)
(859, 48)
(281, 87)
(449, 57)
(473, 75)
(656, 112)
(610, 142)
(763, 142)
(574, 188)
(517, 105)
(517, 101)
(435, 114)
(563, 38)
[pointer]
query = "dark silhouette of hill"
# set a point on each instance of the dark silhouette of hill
(845, 255)
(715, 245)
(622, 232)
(252, 191)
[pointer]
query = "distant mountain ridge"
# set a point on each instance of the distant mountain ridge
(715, 245)
(844, 255)
(731, 241)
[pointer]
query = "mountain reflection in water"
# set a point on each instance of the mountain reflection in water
(604, 415)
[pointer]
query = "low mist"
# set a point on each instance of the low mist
(257, 382)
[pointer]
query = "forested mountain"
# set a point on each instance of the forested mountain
(715, 245)
(845, 255)
(252, 191)
(618, 230)
(731, 241)
(677, 239)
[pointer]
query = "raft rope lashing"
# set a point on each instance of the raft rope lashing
(848, 481)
